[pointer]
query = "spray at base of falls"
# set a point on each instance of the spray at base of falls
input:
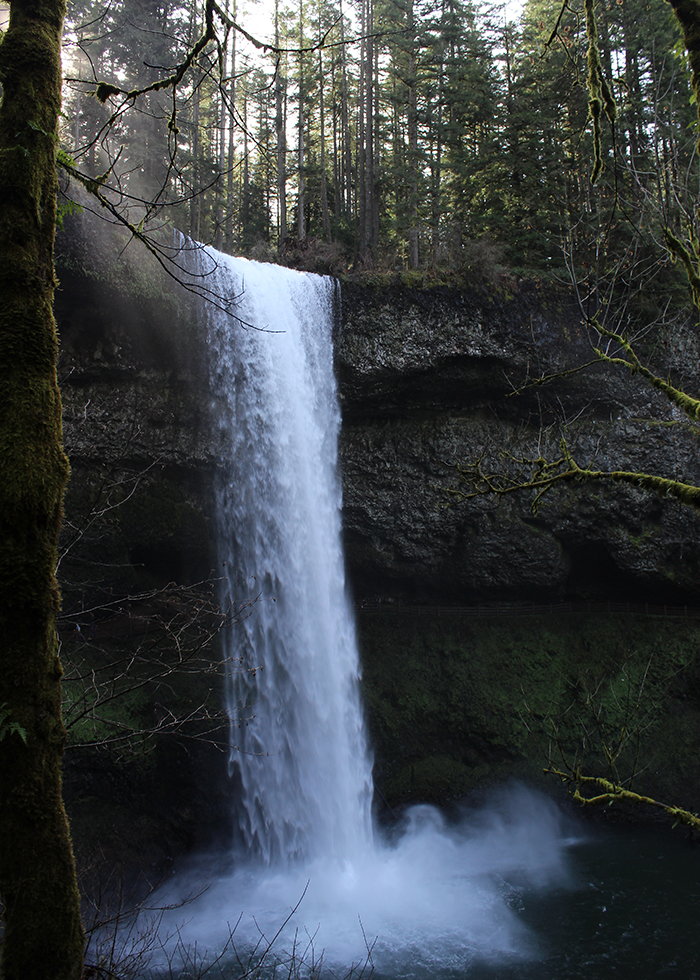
(439, 900)
(438, 896)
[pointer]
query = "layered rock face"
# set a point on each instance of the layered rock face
(428, 382)
(137, 421)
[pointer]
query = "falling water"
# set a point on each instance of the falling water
(438, 897)
(297, 732)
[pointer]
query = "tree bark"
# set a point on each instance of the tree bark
(412, 83)
(43, 935)
(346, 145)
(280, 130)
(326, 218)
(301, 217)
(367, 238)
(231, 156)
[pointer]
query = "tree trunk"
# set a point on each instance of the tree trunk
(245, 194)
(345, 141)
(43, 935)
(369, 132)
(280, 130)
(301, 218)
(324, 188)
(231, 154)
(219, 229)
(412, 83)
(196, 195)
(360, 197)
(376, 191)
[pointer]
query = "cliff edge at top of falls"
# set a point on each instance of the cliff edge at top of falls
(427, 382)
(455, 347)
(409, 348)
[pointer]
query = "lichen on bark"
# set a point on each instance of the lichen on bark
(42, 931)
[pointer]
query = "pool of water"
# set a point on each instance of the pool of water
(630, 909)
(511, 890)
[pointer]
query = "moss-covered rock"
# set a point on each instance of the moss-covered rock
(454, 702)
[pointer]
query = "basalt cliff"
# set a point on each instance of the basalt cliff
(430, 379)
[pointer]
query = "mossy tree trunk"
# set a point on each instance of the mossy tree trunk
(43, 937)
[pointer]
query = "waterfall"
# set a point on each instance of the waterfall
(298, 745)
(434, 899)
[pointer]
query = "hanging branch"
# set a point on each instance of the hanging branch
(542, 475)
(614, 793)
(599, 95)
(106, 90)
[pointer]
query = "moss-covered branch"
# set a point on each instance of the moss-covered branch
(600, 98)
(690, 262)
(614, 793)
(541, 475)
(689, 405)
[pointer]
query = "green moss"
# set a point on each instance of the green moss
(130, 710)
(139, 680)
(637, 539)
(422, 279)
(486, 695)
(42, 931)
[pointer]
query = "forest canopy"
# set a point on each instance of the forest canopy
(391, 135)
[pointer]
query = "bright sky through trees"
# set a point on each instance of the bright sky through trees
(258, 16)
(424, 134)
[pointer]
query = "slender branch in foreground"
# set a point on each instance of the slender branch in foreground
(542, 475)
(614, 793)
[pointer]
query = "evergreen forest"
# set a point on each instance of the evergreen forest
(393, 134)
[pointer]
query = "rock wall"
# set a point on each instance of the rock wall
(456, 702)
(145, 774)
(427, 381)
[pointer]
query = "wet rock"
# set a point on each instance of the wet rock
(427, 384)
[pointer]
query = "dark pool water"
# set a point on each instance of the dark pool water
(630, 910)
